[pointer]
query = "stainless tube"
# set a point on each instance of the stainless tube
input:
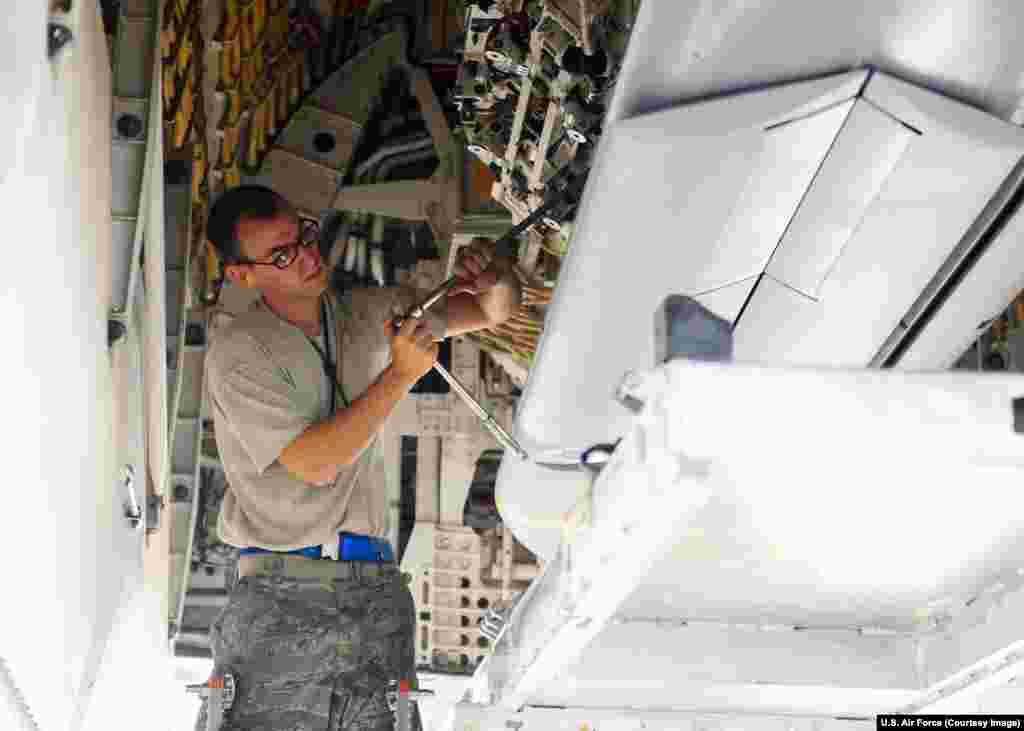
(504, 438)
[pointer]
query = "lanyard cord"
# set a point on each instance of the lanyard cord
(329, 368)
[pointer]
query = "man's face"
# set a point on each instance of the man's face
(260, 241)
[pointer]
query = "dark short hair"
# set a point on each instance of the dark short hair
(246, 202)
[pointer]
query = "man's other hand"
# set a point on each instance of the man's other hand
(476, 268)
(413, 350)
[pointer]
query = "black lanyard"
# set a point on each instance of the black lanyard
(330, 369)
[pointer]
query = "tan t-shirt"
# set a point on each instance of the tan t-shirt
(267, 386)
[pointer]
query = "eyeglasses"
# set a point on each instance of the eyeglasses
(283, 256)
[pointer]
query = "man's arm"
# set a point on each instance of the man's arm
(491, 293)
(318, 454)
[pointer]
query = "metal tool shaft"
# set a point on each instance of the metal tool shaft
(504, 438)
(430, 300)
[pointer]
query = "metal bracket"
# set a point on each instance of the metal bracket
(132, 511)
(155, 505)
(594, 459)
(116, 330)
(631, 393)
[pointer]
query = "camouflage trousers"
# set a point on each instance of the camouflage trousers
(315, 654)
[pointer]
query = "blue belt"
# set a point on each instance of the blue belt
(351, 547)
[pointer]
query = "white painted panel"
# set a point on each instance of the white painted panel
(773, 106)
(860, 505)
(805, 547)
(930, 200)
(533, 501)
(780, 325)
(23, 79)
(941, 184)
(78, 406)
(789, 159)
(726, 302)
(868, 148)
(654, 716)
(823, 508)
(723, 670)
(936, 114)
(985, 642)
(693, 50)
(1005, 699)
(709, 194)
(995, 280)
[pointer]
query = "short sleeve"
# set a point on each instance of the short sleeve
(259, 407)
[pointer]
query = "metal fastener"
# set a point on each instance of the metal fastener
(132, 511)
(58, 36)
(115, 331)
(154, 507)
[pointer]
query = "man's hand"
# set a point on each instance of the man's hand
(487, 290)
(413, 350)
(477, 268)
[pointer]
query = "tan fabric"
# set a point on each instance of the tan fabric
(267, 386)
